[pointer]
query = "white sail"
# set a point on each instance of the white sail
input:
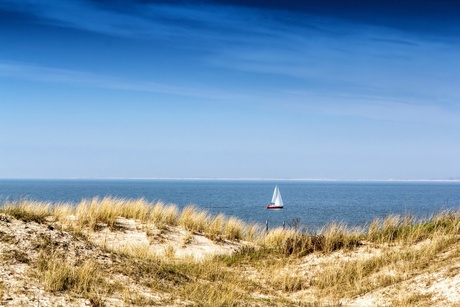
(279, 200)
(276, 199)
(275, 194)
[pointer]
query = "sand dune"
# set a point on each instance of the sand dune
(50, 263)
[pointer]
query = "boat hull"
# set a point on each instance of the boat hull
(274, 207)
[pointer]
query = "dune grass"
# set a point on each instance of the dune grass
(406, 229)
(234, 229)
(161, 214)
(96, 212)
(216, 227)
(266, 270)
(91, 212)
(28, 211)
(57, 274)
(194, 219)
(358, 276)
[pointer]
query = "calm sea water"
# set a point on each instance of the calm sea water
(314, 203)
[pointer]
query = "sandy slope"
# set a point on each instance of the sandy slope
(439, 283)
(20, 244)
(19, 247)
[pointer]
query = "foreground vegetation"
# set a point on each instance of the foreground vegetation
(283, 267)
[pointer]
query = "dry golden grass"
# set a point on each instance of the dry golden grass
(407, 230)
(27, 210)
(194, 219)
(170, 215)
(63, 212)
(213, 284)
(138, 209)
(234, 229)
(216, 227)
(89, 213)
(157, 213)
(338, 236)
(412, 300)
(219, 294)
(278, 237)
(252, 232)
(281, 278)
(273, 265)
(161, 214)
(347, 278)
(137, 251)
(58, 274)
(295, 242)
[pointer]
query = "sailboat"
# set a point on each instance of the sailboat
(277, 201)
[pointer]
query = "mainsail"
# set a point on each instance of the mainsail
(275, 194)
(277, 201)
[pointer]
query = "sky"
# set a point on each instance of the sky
(344, 90)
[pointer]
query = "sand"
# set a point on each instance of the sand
(19, 253)
(18, 248)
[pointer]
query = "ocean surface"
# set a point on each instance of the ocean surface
(315, 203)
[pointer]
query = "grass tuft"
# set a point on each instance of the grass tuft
(216, 227)
(252, 232)
(397, 229)
(170, 215)
(338, 236)
(193, 219)
(27, 211)
(60, 275)
(234, 229)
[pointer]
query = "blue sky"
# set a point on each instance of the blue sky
(349, 90)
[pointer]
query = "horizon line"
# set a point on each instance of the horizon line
(453, 179)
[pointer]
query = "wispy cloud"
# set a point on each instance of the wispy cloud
(72, 77)
(362, 65)
(144, 20)
(321, 54)
(375, 106)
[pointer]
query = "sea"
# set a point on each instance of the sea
(309, 204)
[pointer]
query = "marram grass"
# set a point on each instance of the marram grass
(405, 229)
(58, 274)
(194, 219)
(27, 211)
(91, 212)
(267, 270)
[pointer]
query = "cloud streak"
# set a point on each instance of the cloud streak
(72, 77)
(321, 50)
(429, 17)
